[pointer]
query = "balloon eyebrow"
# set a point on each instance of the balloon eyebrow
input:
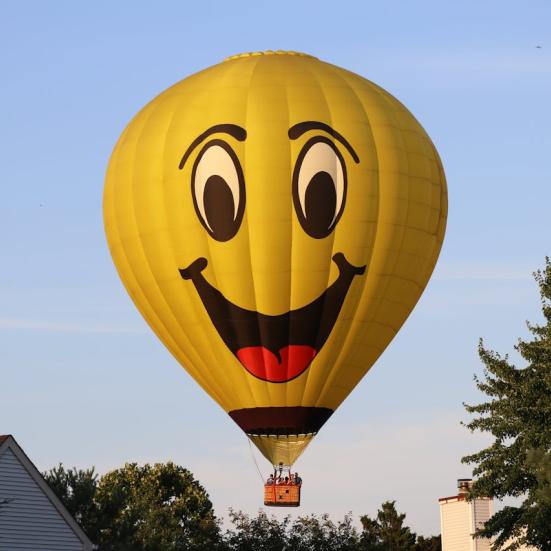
(300, 128)
(237, 132)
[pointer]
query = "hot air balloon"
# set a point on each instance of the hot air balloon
(275, 219)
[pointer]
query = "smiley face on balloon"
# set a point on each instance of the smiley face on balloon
(274, 348)
(275, 219)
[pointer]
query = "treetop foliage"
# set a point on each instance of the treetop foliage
(157, 507)
(517, 413)
(163, 508)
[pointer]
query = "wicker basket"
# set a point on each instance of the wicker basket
(282, 495)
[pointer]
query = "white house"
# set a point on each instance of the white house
(459, 519)
(31, 516)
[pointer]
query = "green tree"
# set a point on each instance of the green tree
(306, 533)
(388, 533)
(157, 507)
(262, 533)
(139, 508)
(433, 543)
(163, 508)
(541, 462)
(312, 533)
(394, 535)
(369, 538)
(518, 416)
(76, 489)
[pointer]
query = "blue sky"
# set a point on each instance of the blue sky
(84, 381)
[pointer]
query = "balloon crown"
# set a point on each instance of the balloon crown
(269, 52)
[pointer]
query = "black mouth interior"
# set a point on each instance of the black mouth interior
(242, 328)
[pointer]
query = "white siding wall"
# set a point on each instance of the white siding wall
(456, 526)
(482, 514)
(29, 521)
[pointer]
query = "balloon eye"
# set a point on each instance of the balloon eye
(319, 187)
(218, 190)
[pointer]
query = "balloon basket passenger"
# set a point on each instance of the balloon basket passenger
(282, 490)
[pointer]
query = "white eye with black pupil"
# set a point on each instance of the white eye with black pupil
(319, 187)
(218, 190)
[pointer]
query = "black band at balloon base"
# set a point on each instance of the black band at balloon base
(281, 421)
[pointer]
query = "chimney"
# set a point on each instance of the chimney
(464, 485)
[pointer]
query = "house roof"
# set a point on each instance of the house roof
(8, 442)
(460, 497)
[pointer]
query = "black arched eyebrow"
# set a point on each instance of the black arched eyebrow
(239, 133)
(300, 128)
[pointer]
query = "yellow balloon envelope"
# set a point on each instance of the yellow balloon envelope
(275, 219)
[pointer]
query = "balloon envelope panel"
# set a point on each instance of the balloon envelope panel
(275, 219)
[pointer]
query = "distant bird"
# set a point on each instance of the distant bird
(538, 47)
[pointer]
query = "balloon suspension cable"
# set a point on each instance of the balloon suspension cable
(254, 459)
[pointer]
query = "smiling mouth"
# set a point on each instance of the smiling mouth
(274, 348)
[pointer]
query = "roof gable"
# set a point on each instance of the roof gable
(29, 505)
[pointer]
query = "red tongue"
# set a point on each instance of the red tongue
(263, 363)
